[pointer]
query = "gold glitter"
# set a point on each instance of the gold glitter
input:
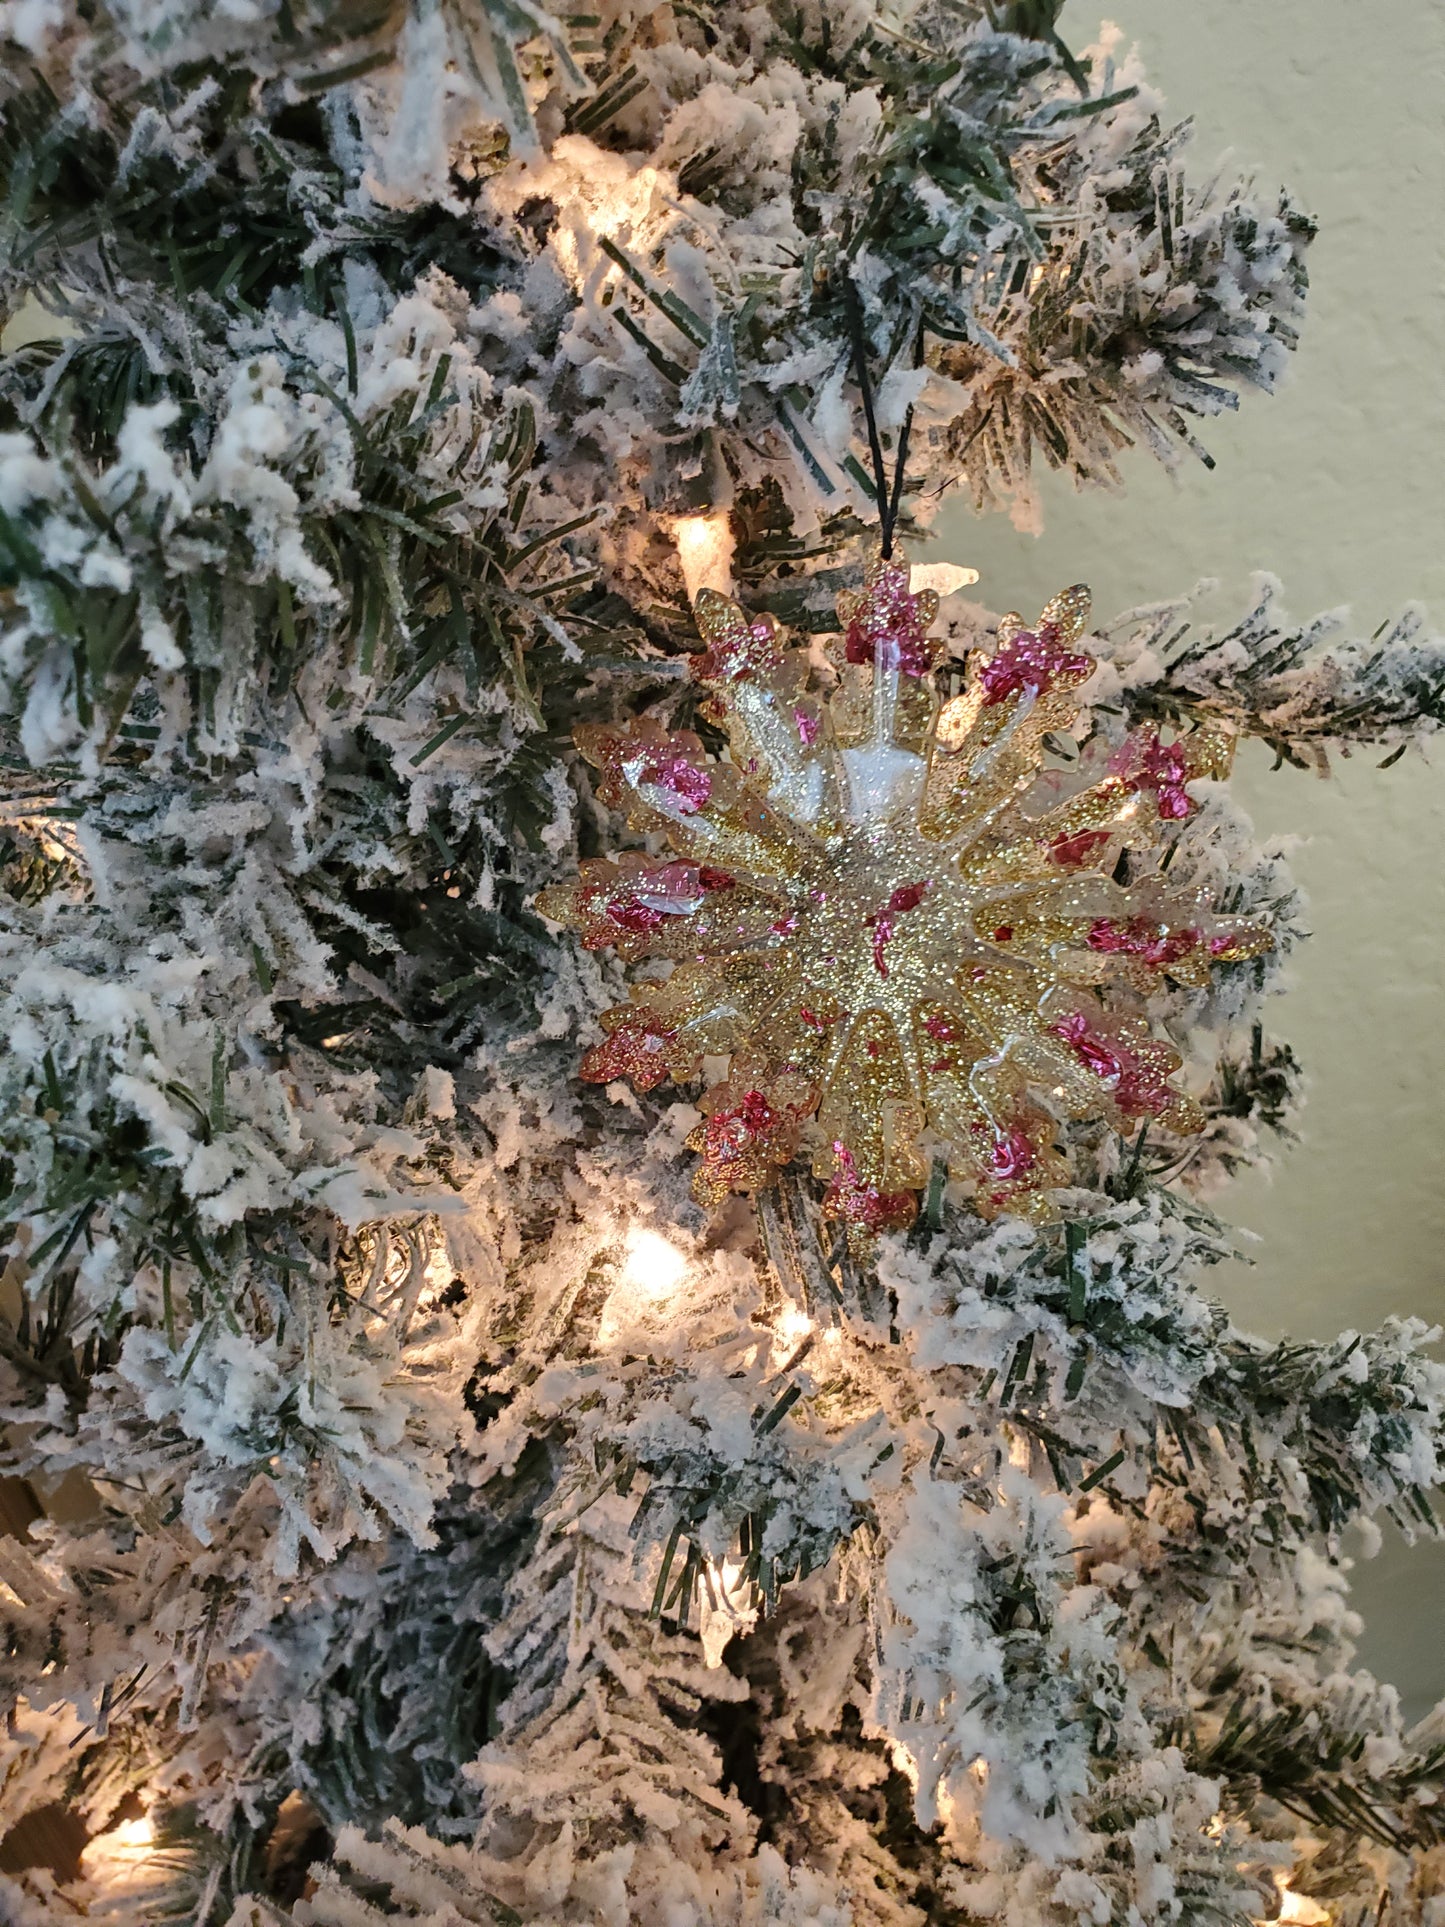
(900, 929)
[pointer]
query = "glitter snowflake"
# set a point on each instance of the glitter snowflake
(900, 929)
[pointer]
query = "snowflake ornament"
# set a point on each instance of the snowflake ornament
(902, 932)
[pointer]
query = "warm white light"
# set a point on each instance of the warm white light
(600, 196)
(726, 1607)
(705, 550)
(945, 577)
(638, 1313)
(58, 840)
(792, 1326)
(1300, 1908)
(726, 1575)
(118, 1858)
(622, 202)
(652, 1268)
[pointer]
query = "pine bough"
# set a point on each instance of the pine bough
(416, 1563)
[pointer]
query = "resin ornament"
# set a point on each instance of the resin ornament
(901, 930)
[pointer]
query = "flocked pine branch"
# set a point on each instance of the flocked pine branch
(1302, 688)
(430, 1451)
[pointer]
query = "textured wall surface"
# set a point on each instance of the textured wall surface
(1337, 485)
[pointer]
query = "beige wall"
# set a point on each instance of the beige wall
(1335, 484)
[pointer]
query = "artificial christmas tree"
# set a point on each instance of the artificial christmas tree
(450, 1516)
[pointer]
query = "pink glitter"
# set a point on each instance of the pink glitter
(680, 777)
(648, 899)
(1090, 1050)
(745, 650)
(1073, 852)
(1031, 660)
(864, 1204)
(1140, 1093)
(1140, 938)
(634, 917)
(1137, 1087)
(636, 1050)
(907, 896)
(1013, 1155)
(1145, 763)
(808, 727)
(888, 631)
(729, 1132)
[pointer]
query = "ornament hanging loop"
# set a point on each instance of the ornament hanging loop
(889, 495)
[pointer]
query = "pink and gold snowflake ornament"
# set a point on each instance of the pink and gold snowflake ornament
(898, 928)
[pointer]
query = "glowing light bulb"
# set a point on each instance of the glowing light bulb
(639, 1305)
(726, 1607)
(945, 577)
(793, 1325)
(705, 550)
(118, 1859)
(133, 1836)
(621, 202)
(726, 1575)
(1300, 1908)
(652, 1267)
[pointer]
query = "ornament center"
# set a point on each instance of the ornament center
(887, 885)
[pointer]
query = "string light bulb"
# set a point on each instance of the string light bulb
(1299, 1908)
(118, 1859)
(792, 1326)
(624, 200)
(727, 1605)
(705, 550)
(944, 578)
(652, 1267)
(648, 1280)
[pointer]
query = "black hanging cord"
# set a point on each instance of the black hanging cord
(889, 498)
(895, 500)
